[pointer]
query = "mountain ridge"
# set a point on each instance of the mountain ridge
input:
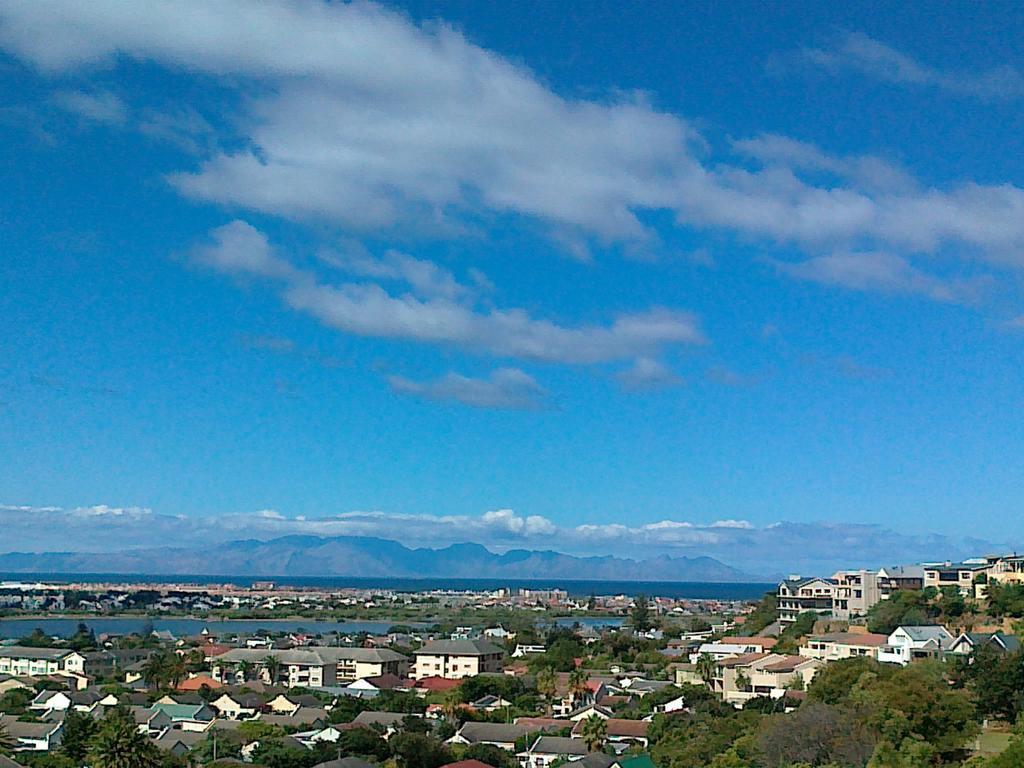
(305, 555)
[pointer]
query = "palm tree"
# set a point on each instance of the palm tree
(273, 667)
(154, 671)
(245, 669)
(594, 731)
(578, 683)
(450, 704)
(175, 670)
(120, 745)
(547, 686)
(706, 667)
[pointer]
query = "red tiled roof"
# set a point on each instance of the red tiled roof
(467, 764)
(434, 683)
(197, 682)
(786, 664)
(741, 659)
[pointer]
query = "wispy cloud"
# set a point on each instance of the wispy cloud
(504, 389)
(811, 547)
(369, 309)
(886, 273)
(96, 106)
(860, 53)
(647, 373)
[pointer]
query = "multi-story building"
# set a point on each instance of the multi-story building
(751, 675)
(1008, 569)
(855, 593)
(960, 575)
(894, 578)
(22, 660)
(312, 667)
(798, 595)
(843, 645)
(455, 659)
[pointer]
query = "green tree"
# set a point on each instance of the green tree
(594, 732)
(79, 731)
(641, 613)
(491, 755)
(273, 667)
(578, 683)
(547, 686)
(707, 667)
(118, 744)
(417, 750)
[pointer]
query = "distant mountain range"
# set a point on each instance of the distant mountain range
(370, 557)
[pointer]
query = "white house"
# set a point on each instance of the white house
(906, 644)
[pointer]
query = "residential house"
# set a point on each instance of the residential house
(968, 642)
(502, 735)
(490, 703)
(619, 731)
(546, 750)
(855, 593)
(1008, 569)
(388, 722)
(237, 706)
(733, 646)
(32, 737)
(907, 644)
(798, 595)
(843, 645)
(524, 650)
(456, 659)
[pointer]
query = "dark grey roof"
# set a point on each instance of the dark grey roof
(559, 745)
(495, 733)
(380, 718)
(346, 762)
(6, 762)
(34, 654)
(596, 760)
(459, 648)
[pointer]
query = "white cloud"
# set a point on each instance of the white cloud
(365, 119)
(239, 248)
(784, 546)
(99, 106)
(368, 309)
(506, 388)
(864, 54)
(646, 373)
(885, 273)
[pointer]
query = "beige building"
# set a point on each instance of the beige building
(312, 667)
(752, 675)
(856, 592)
(455, 659)
(960, 575)
(843, 645)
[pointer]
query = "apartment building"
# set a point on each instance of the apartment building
(855, 593)
(455, 659)
(752, 675)
(894, 578)
(798, 595)
(960, 575)
(312, 667)
(843, 645)
(22, 660)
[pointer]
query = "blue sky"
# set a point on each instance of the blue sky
(704, 279)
